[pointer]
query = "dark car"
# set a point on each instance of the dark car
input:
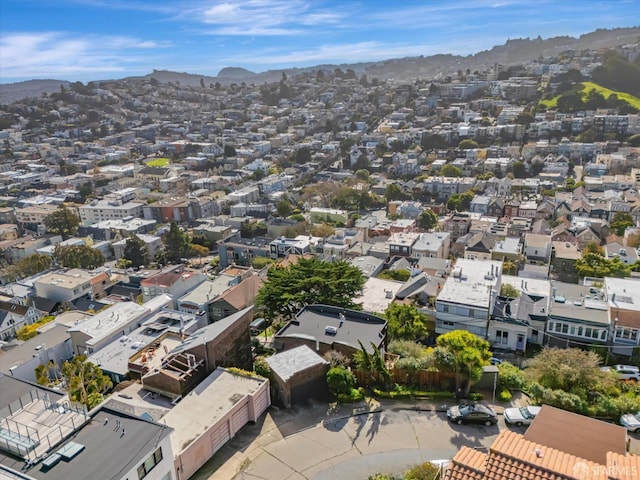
(472, 413)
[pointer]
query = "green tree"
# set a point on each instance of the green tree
(136, 251)
(508, 290)
(198, 251)
(229, 151)
(176, 244)
(394, 192)
(464, 354)
(569, 369)
(303, 156)
(405, 322)
(525, 118)
(284, 208)
(427, 219)
(33, 264)
(519, 169)
(400, 275)
(433, 142)
(593, 265)
(287, 289)
(467, 144)
(78, 256)
(620, 222)
(85, 381)
(593, 247)
(449, 170)
(62, 222)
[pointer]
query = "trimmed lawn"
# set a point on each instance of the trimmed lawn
(588, 86)
(158, 162)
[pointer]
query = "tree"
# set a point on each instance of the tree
(620, 222)
(176, 244)
(509, 291)
(62, 222)
(394, 192)
(519, 169)
(424, 471)
(593, 265)
(464, 354)
(33, 264)
(427, 219)
(467, 144)
(433, 142)
(593, 247)
(284, 208)
(136, 251)
(288, 289)
(405, 322)
(78, 256)
(303, 156)
(198, 250)
(85, 381)
(449, 170)
(229, 151)
(569, 369)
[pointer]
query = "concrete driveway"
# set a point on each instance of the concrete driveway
(323, 442)
(316, 442)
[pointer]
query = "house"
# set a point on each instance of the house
(51, 344)
(422, 288)
(517, 322)
(172, 282)
(153, 243)
(236, 298)
(435, 266)
(323, 328)
(13, 317)
(537, 248)
(584, 448)
(563, 261)
(401, 244)
(480, 204)
(108, 443)
(457, 225)
(199, 299)
(298, 374)
(576, 314)
(627, 255)
(67, 285)
(623, 298)
(507, 249)
(377, 294)
(226, 343)
(468, 295)
(432, 245)
(480, 246)
(99, 330)
(108, 209)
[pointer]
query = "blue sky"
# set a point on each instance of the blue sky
(102, 39)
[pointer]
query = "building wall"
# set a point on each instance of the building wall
(309, 383)
(163, 470)
(205, 446)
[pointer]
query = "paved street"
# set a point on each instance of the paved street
(316, 442)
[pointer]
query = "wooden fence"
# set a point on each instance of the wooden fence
(424, 379)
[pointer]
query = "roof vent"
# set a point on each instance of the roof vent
(330, 330)
(539, 453)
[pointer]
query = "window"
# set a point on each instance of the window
(150, 463)
(502, 337)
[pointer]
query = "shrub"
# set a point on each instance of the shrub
(354, 395)
(511, 377)
(407, 348)
(504, 396)
(261, 367)
(341, 381)
(336, 359)
(424, 471)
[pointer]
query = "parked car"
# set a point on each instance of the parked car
(520, 416)
(472, 413)
(495, 360)
(631, 421)
(625, 372)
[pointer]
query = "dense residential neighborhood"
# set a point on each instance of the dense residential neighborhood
(177, 260)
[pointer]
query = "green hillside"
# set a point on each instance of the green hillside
(588, 87)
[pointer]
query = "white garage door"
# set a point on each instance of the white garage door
(240, 418)
(262, 402)
(219, 436)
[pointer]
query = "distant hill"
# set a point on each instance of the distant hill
(513, 52)
(11, 92)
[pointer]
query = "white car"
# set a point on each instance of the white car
(625, 372)
(631, 422)
(521, 416)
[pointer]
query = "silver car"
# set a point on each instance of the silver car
(631, 421)
(521, 416)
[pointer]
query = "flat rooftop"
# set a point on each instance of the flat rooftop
(378, 294)
(577, 303)
(311, 323)
(110, 320)
(211, 400)
(471, 282)
(286, 364)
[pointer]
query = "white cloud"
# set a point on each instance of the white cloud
(51, 54)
